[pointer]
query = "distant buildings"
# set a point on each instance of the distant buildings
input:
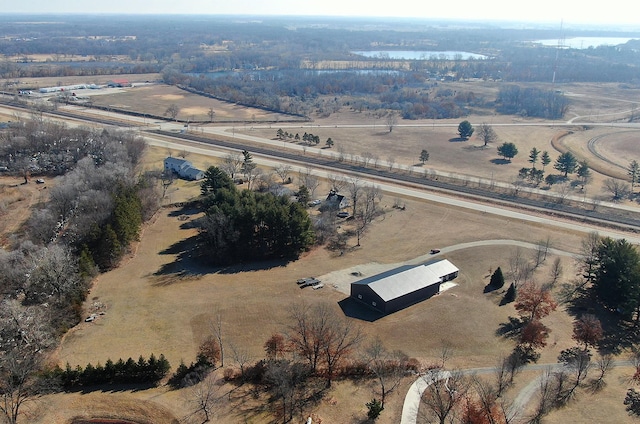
(119, 83)
(183, 168)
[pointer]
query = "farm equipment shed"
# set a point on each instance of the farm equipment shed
(404, 286)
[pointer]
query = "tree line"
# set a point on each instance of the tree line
(92, 214)
(150, 370)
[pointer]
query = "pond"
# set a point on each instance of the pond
(420, 55)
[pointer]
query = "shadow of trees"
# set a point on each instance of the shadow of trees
(510, 329)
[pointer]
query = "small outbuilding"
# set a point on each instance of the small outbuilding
(404, 286)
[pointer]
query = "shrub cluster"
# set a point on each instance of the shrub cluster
(187, 376)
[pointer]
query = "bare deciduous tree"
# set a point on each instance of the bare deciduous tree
(444, 393)
(309, 180)
(392, 121)
(283, 171)
(617, 188)
(367, 210)
(519, 268)
(321, 337)
(287, 382)
(242, 358)
(603, 365)
(542, 250)
(387, 367)
(391, 162)
(172, 111)
(555, 272)
(24, 339)
(354, 188)
(231, 164)
(203, 398)
(366, 158)
(336, 182)
(215, 327)
(167, 179)
(486, 134)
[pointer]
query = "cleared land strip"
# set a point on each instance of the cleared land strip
(603, 216)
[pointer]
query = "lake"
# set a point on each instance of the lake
(420, 55)
(584, 42)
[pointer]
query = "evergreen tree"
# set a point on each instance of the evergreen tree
(303, 195)
(508, 151)
(533, 157)
(566, 163)
(545, 159)
(465, 129)
(215, 179)
(584, 173)
(497, 279)
(634, 172)
(109, 249)
(511, 294)
(424, 156)
(374, 408)
(617, 280)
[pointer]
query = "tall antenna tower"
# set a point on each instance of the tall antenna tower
(560, 46)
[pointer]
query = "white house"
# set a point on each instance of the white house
(183, 168)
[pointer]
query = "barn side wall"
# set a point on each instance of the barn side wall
(363, 294)
(412, 298)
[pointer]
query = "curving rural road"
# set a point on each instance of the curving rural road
(413, 398)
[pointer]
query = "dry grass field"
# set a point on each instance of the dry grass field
(160, 301)
(40, 82)
(155, 99)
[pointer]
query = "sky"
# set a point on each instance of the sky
(548, 11)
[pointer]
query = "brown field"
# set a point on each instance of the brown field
(469, 159)
(159, 302)
(36, 83)
(155, 99)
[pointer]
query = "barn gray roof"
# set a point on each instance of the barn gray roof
(408, 279)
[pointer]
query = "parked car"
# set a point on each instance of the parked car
(315, 202)
(39, 181)
(434, 251)
(317, 286)
(90, 319)
(343, 214)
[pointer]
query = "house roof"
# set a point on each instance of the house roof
(407, 279)
(191, 172)
(177, 161)
(335, 197)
